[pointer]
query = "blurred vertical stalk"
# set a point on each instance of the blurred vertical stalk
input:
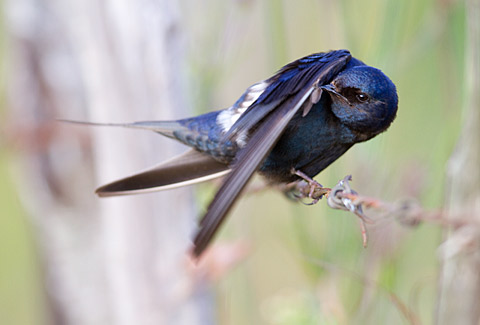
(459, 282)
(276, 33)
(119, 260)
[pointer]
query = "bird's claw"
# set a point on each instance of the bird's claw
(309, 188)
(341, 197)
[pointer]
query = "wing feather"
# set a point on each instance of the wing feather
(188, 168)
(288, 81)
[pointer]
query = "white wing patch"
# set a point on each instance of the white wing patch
(228, 117)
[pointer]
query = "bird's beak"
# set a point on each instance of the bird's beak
(331, 89)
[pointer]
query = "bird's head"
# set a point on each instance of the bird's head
(364, 99)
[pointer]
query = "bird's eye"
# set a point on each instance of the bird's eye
(362, 97)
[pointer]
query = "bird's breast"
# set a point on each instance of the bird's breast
(309, 144)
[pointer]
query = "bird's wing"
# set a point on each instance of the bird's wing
(266, 96)
(188, 168)
(272, 111)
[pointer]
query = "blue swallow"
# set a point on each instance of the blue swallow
(288, 128)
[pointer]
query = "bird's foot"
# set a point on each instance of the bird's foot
(341, 197)
(309, 188)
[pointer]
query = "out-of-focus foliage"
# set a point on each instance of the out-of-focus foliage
(20, 278)
(307, 264)
(21, 298)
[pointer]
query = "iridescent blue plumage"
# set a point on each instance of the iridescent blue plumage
(313, 142)
(297, 122)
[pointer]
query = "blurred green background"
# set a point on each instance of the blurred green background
(307, 264)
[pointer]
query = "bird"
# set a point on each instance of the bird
(288, 128)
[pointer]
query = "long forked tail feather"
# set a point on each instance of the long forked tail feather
(165, 128)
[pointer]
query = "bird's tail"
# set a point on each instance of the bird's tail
(165, 128)
(189, 168)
